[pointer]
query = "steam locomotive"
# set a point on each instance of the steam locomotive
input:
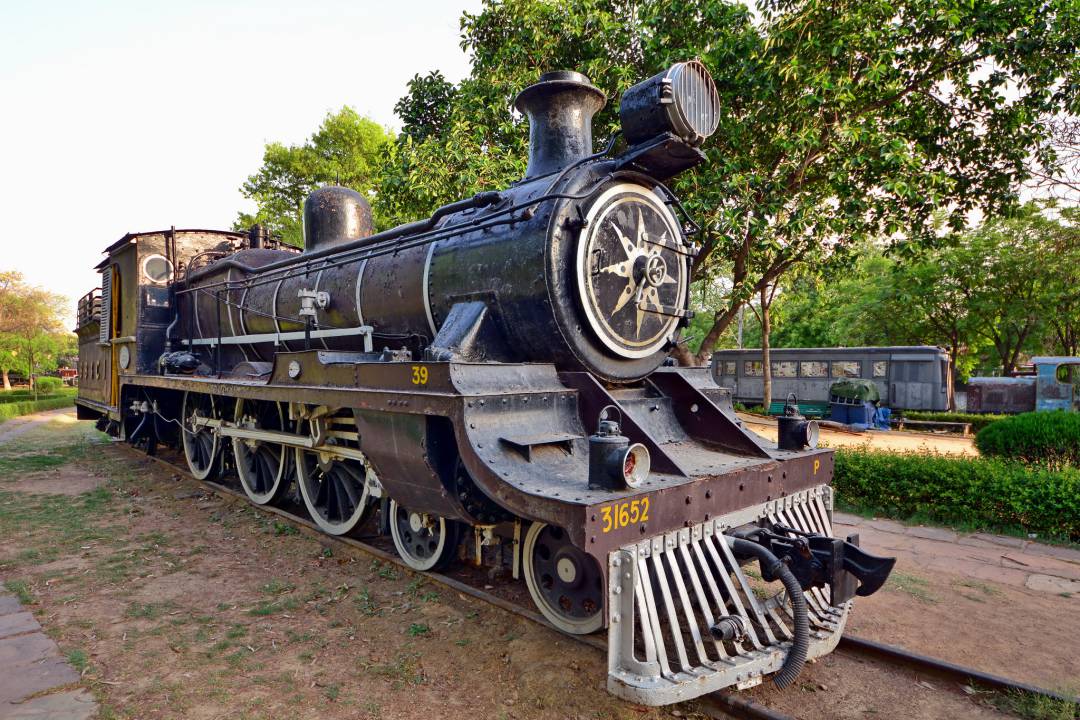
(493, 384)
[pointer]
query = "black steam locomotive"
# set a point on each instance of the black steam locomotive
(493, 382)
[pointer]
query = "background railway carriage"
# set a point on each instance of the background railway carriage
(492, 381)
(907, 377)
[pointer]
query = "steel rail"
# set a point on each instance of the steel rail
(719, 704)
(901, 657)
(727, 703)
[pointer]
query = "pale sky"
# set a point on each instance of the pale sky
(136, 115)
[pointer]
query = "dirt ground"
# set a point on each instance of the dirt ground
(173, 603)
(893, 440)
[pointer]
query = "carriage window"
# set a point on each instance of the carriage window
(1066, 373)
(845, 369)
(814, 369)
(881, 368)
(729, 367)
(753, 368)
(783, 369)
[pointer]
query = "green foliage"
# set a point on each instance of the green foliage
(1035, 437)
(32, 335)
(14, 396)
(26, 407)
(48, 384)
(988, 493)
(347, 149)
(978, 421)
(836, 126)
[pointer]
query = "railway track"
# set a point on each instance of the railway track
(719, 704)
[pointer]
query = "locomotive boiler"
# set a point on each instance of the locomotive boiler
(493, 384)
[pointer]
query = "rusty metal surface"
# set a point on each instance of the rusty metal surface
(1001, 395)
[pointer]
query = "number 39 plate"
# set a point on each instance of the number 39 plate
(623, 514)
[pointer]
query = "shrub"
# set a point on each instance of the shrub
(978, 420)
(26, 407)
(48, 385)
(986, 492)
(1039, 437)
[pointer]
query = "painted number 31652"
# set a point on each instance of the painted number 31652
(620, 515)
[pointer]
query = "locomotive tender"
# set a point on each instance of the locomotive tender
(493, 381)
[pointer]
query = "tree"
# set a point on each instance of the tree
(347, 149)
(840, 121)
(32, 334)
(1063, 286)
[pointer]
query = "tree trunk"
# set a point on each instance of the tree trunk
(7, 381)
(766, 365)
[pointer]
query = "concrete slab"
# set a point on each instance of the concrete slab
(9, 604)
(1064, 554)
(931, 533)
(17, 624)
(1051, 584)
(34, 678)
(74, 705)
(1012, 542)
(25, 649)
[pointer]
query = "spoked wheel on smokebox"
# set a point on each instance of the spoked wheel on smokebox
(202, 444)
(424, 541)
(265, 467)
(565, 583)
(333, 479)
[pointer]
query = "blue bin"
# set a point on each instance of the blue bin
(838, 412)
(862, 414)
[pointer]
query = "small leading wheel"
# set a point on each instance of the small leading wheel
(424, 541)
(202, 445)
(334, 489)
(565, 583)
(263, 467)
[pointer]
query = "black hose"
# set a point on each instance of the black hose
(772, 567)
(134, 438)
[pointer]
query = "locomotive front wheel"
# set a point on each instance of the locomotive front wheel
(424, 541)
(202, 445)
(334, 489)
(565, 583)
(263, 467)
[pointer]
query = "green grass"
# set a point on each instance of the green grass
(404, 670)
(147, 611)
(21, 590)
(418, 629)
(277, 587)
(913, 585)
(1035, 707)
(78, 660)
(365, 602)
(267, 607)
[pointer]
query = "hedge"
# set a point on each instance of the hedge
(16, 396)
(1052, 438)
(26, 407)
(978, 420)
(989, 493)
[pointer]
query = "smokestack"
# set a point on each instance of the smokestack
(560, 107)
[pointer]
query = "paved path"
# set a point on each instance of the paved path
(24, 423)
(35, 681)
(892, 440)
(1008, 560)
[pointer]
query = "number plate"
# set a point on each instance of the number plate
(618, 515)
